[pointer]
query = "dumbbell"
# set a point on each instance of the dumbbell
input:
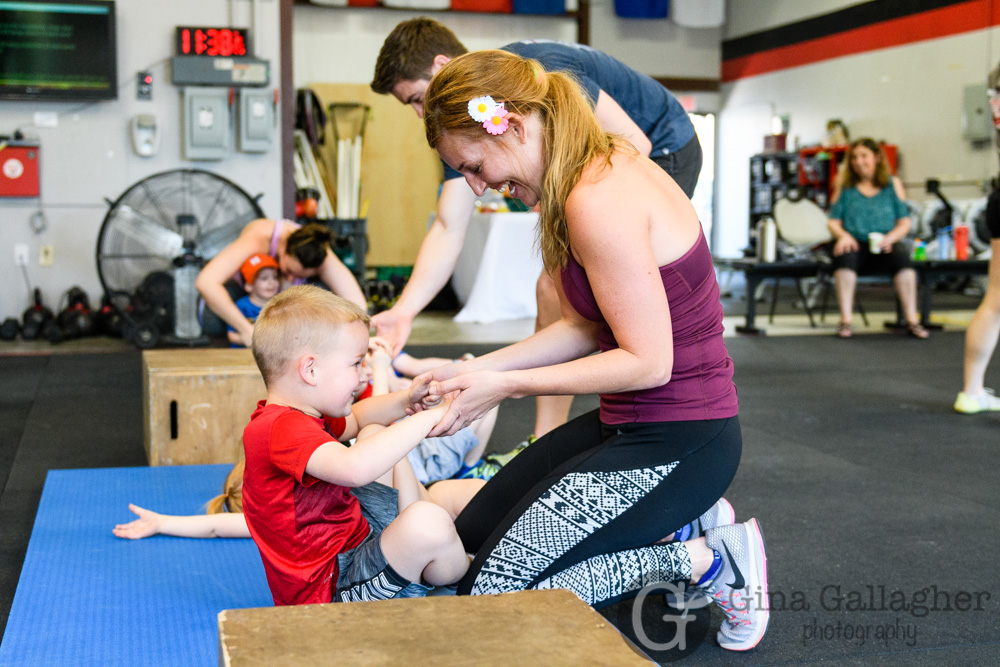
(9, 329)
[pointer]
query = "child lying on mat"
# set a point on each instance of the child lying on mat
(223, 516)
(323, 516)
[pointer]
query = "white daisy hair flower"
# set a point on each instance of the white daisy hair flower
(481, 108)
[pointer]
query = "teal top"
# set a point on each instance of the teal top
(862, 215)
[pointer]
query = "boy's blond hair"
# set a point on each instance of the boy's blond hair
(299, 319)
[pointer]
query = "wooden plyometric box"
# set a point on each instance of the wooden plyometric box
(552, 627)
(196, 404)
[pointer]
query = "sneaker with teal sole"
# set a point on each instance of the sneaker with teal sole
(740, 584)
(503, 459)
(970, 405)
(490, 465)
(483, 469)
(720, 514)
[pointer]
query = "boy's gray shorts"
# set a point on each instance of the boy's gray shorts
(440, 458)
(362, 569)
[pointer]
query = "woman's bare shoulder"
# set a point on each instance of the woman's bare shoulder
(260, 226)
(615, 191)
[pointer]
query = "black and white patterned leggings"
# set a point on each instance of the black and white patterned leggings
(583, 507)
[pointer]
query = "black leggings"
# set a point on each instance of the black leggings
(586, 490)
(862, 261)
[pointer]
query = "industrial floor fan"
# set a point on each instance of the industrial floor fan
(154, 240)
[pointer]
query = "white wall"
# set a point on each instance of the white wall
(88, 157)
(744, 17)
(656, 47)
(909, 95)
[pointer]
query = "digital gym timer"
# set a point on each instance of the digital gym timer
(212, 42)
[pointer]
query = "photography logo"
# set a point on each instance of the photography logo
(664, 620)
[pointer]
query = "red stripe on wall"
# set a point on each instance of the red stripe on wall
(951, 20)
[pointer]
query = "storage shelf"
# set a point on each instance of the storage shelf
(581, 15)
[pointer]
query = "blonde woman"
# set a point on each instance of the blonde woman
(588, 506)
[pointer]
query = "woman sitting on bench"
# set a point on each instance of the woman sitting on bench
(868, 221)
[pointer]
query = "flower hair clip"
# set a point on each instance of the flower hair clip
(489, 112)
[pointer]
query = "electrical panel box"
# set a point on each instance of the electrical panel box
(256, 121)
(19, 170)
(977, 120)
(206, 123)
(234, 71)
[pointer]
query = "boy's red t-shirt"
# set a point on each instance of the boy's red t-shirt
(299, 523)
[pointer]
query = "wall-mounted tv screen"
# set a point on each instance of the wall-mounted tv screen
(58, 50)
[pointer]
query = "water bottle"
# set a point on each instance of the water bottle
(944, 243)
(919, 250)
(186, 325)
(962, 242)
(767, 240)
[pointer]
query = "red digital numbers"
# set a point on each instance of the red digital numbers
(212, 42)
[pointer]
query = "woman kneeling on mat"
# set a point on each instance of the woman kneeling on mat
(590, 506)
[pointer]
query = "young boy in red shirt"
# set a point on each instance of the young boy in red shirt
(325, 528)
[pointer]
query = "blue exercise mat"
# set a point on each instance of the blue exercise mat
(86, 597)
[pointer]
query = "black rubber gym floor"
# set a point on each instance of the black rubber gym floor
(878, 502)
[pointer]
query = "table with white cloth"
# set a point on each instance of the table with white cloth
(498, 268)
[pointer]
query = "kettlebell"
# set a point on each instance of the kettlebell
(53, 332)
(109, 319)
(35, 317)
(76, 320)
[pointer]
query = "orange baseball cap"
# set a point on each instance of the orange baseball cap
(254, 264)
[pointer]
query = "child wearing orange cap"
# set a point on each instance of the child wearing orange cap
(261, 281)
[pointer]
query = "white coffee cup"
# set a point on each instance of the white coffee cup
(875, 242)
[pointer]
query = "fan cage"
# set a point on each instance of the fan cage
(140, 233)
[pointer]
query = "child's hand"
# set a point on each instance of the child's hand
(431, 400)
(147, 524)
(419, 395)
(440, 406)
(376, 343)
(381, 360)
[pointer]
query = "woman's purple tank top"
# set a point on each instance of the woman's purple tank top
(273, 252)
(701, 382)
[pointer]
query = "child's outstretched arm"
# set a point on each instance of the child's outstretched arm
(370, 458)
(380, 364)
(412, 367)
(224, 524)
